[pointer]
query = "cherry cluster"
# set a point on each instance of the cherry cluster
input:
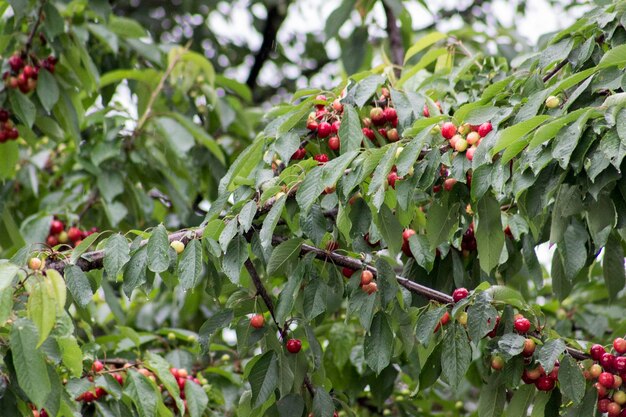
(466, 137)
(367, 283)
(73, 236)
(383, 119)
(609, 372)
(293, 345)
(24, 75)
(8, 131)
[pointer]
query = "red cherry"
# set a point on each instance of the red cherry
(321, 158)
(181, 382)
(347, 272)
(333, 143)
(56, 227)
(448, 184)
(484, 129)
(494, 332)
(603, 405)
(337, 106)
(619, 345)
(445, 319)
(97, 366)
(377, 115)
(88, 397)
(4, 115)
(294, 345)
(390, 114)
(545, 383)
(607, 361)
(300, 153)
(119, 378)
(426, 111)
(332, 246)
(13, 134)
(369, 133)
(459, 294)
(311, 124)
(522, 325)
(472, 138)
(392, 178)
(597, 351)
(606, 379)
(30, 71)
(257, 321)
(52, 241)
(370, 288)
(613, 409)
(321, 97)
(405, 241)
(320, 113)
(16, 63)
(366, 277)
(323, 130)
(497, 363)
(383, 132)
(620, 364)
(529, 348)
(100, 392)
(334, 128)
(74, 234)
(448, 129)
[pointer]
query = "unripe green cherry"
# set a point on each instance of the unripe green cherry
(178, 246)
(553, 102)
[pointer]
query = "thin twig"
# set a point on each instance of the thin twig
(155, 94)
(555, 70)
(31, 36)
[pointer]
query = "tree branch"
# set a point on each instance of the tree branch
(275, 17)
(395, 40)
(31, 36)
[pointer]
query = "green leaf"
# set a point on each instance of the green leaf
(23, 108)
(614, 57)
(10, 157)
(512, 134)
(201, 136)
(366, 88)
(573, 251)
(613, 266)
(518, 407)
(263, 378)
(234, 258)
(423, 42)
(190, 265)
(7, 274)
(143, 393)
(41, 308)
(29, 363)
(197, 400)
(442, 221)
(58, 288)
(282, 255)
(489, 232)
(135, 270)
(217, 321)
(571, 379)
(323, 404)
(426, 324)
(125, 27)
(290, 405)
(177, 137)
(116, 254)
(549, 353)
(428, 58)
(270, 222)
(390, 229)
(161, 369)
(289, 293)
(378, 343)
(158, 250)
(6, 304)
(481, 318)
(83, 246)
(246, 215)
(78, 284)
(310, 189)
(47, 90)
(337, 18)
(492, 398)
(422, 252)
(511, 344)
(456, 355)
(350, 133)
(72, 355)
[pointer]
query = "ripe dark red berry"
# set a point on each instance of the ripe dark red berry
(448, 184)
(405, 241)
(484, 129)
(459, 294)
(392, 178)
(448, 129)
(545, 383)
(606, 379)
(323, 130)
(30, 71)
(257, 321)
(390, 114)
(299, 154)
(522, 325)
(603, 405)
(369, 133)
(74, 234)
(322, 158)
(607, 361)
(347, 272)
(56, 227)
(294, 345)
(16, 63)
(426, 111)
(494, 332)
(377, 115)
(619, 345)
(333, 143)
(88, 397)
(334, 128)
(620, 364)
(321, 97)
(52, 241)
(97, 366)
(4, 115)
(597, 351)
